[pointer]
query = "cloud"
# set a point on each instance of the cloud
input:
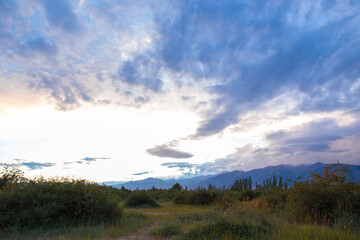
(59, 13)
(93, 159)
(242, 53)
(87, 160)
(258, 51)
(37, 165)
(40, 45)
(182, 165)
(167, 151)
(187, 169)
(29, 165)
(312, 137)
(140, 72)
(141, 173)
(318, 141)
(68, 93)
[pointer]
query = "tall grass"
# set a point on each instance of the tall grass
(56, 202)
(141, 200)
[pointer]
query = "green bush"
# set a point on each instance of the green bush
(203, 197)
(329, 197)
(320, 203)
(248, 195)
(52, 203)
(166, 231)
(10, 175)
(140, 200)
(197, 217)
(180, 198)
(223, 228)
(274, 198)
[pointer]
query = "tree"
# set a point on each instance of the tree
(176, 187)
(9, 175)
(332, 174)
(328, 197)
(280, 183)
(274, 182)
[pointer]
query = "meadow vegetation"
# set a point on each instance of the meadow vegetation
(325, 207)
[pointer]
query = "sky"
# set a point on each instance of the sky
(125, 89)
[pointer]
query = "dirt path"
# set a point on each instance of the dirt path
(141, 234)
(144, 233)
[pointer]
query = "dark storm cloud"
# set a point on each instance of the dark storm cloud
(168, 152)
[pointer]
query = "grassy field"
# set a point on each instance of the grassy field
(174, 221)
(326, 209)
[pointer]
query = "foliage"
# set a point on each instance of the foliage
(176, 187)
(166, 231)
(274, 198)
(9, 175)
(329, 197)
(248, 195)
(140, 200)
(332, 174)
(242, 184)
(225, 228)
(63, 208)
(196, 217)
(56, 202)
(272, 183)
(202, 197)
(181, 198)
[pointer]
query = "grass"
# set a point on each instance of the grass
(244, 220)
(129, 223)
(140, 200)
(166, 231)
(312, 232)
(62, 208)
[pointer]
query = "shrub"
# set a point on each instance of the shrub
(10, 175)
(319, 203)
(248, 195)
(197, 217)
(166, 231)
(176, 187)
(274, 198)
(140, 200)
(53, 203)
(180, 198)
(327, 198)
(200, 197)
(203, 197)
(224, 228)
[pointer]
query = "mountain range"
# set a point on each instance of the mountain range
(226, 179)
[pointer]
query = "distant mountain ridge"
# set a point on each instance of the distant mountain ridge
(165, 184)
(226, 179)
